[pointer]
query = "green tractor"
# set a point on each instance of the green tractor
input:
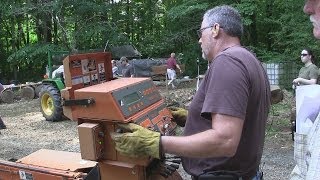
(50, 97)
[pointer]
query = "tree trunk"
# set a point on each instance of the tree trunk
(269, 13)
(47, 28)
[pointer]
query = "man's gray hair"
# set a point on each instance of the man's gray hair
(227, 17)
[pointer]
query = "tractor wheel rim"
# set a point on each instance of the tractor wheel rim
(47, 104)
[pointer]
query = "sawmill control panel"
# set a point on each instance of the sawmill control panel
(136, 97)
(125, 100)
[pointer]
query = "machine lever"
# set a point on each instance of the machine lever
(78, 102)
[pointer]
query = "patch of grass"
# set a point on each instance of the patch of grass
(278, 126)
(279, 119)
(280, 108)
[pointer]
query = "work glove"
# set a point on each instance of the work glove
(137, 141)
(179, 115)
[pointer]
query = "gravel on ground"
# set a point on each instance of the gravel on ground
(27, 131)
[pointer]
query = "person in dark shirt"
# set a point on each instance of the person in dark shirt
(127, 70)
(225, 127)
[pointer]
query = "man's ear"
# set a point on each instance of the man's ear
(215, 30)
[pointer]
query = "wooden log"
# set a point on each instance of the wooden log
(28, 93)
(159, 70)
(162, 69)
(7, 96)
(276, 94)
(37, 90)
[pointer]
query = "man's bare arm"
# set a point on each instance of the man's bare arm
(220, 141)
(177, 65)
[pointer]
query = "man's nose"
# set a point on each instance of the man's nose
(308, 7)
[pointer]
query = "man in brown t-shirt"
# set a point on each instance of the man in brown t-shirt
(233, 100)
(232, 103)
(225, 127)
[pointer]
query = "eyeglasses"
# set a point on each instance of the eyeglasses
(303, 55)
(199, 31)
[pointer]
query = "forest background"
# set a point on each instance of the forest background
(275, 30)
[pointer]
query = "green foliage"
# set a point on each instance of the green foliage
(31, 61)
(290, 31)
(186, 9)
(276, 30)
(247, 8)
(35, 54)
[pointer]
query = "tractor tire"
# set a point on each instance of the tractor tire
(50, 103)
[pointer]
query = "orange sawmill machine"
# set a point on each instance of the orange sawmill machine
(98, 102)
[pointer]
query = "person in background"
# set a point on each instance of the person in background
(307, 147)
(225, 127)
(59, 72)
(172, 66)
(114, 68)
(127, 70)
(308, 74)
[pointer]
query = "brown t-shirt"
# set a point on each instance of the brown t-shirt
(236, 85)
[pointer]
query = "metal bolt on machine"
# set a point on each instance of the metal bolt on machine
(98, 103)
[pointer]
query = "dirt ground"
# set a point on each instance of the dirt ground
(27, 131)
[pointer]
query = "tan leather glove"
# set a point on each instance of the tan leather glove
(137, 141)
(179, 115)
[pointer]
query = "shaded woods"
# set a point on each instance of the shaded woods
(276, 30)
